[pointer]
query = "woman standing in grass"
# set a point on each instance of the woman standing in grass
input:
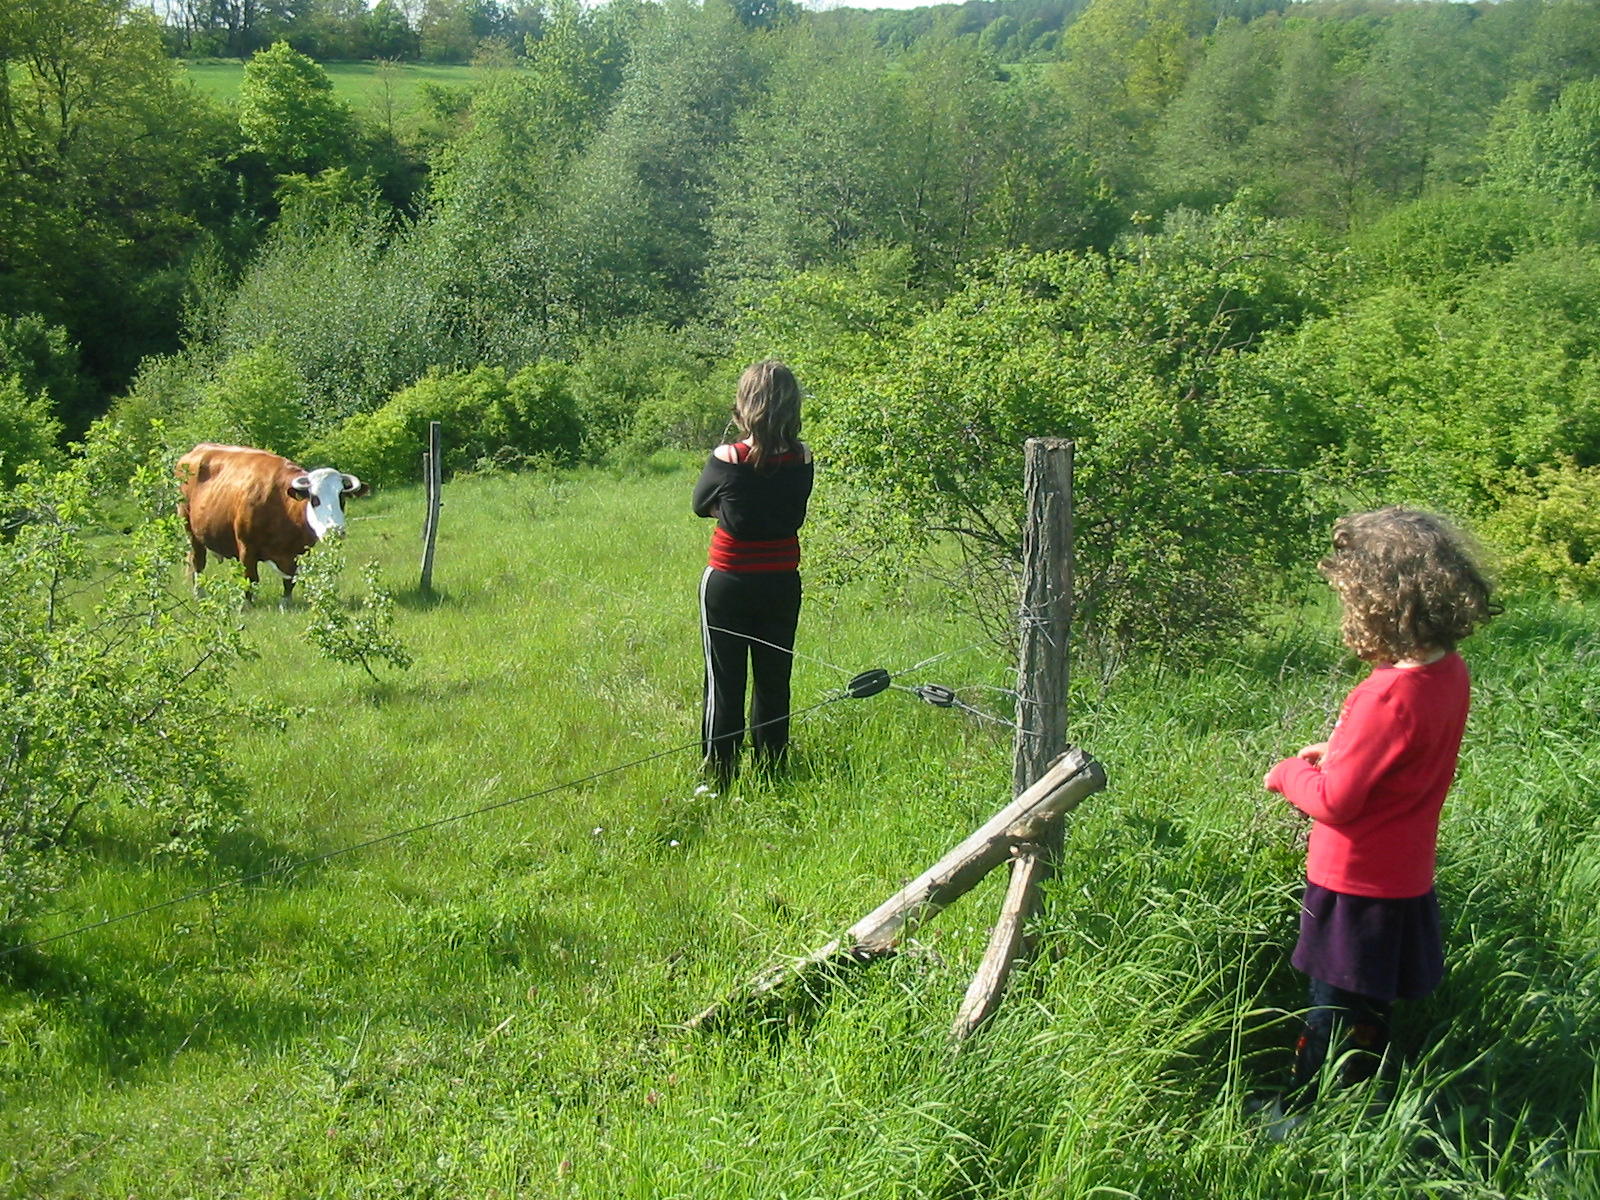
(757, 488)
(1369, 923)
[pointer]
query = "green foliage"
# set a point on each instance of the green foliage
(108, 166)
(363, 305)
(256, 399)
(358, 631)
(118, 699)
(487, 419)
(1546, 526)
(289, 114)
(29, 434)
(1188, 502)
(45, 362)
(1443, 240)
(616, 378)
(1433, 400)
(834, 319)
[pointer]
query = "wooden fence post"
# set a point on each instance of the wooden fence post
(1046, 613)
(433, 476)
(1042, 673)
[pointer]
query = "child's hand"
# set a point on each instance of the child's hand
(1313, 753)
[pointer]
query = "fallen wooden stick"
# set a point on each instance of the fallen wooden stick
(1007, 943)
(1064, 786)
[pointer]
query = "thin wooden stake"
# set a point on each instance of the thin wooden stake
(433, 476)
(1008, 944)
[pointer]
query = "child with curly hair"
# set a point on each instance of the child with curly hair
(1369, 922)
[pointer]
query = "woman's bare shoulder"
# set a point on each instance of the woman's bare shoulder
(725, 453)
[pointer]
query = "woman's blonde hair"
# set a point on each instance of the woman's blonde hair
(767, 410)
(1407, 581)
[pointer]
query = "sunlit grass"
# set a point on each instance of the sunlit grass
(492, 1006)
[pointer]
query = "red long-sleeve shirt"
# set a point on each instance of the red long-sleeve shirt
(1376, 796)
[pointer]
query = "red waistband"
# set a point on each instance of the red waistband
(730, 554)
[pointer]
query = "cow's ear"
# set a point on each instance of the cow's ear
(300, 487)
(354, 487)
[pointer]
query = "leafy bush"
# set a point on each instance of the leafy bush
(116, 705)
(1189, 502)
(46, 363)
(616, 377)
(1433, 399)
(1547, 531)
(156, 414)
(257, 399)
(359, 632)
(486, 418)
(538, 417)
(28, 432)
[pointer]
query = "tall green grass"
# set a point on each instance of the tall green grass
(490, 1007)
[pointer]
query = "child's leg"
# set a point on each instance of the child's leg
(1354, 1027)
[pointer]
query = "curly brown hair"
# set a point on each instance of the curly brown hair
(1408, 584)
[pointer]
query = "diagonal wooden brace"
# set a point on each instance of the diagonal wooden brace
(1069, 780)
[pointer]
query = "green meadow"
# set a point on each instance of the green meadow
(376, 91)
(468, 906)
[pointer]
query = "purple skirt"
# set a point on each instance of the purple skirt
(1385, 949)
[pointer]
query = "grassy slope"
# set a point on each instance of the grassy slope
(486, 1008)
(378, 92)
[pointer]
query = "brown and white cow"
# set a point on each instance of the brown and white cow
(257, 506)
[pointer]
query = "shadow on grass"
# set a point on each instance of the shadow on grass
(416, 599)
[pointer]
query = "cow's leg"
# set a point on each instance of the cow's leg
(251, 571)
(197, 560)
(286, 568)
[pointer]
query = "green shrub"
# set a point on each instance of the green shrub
(119, 708)
(258, 399)
(29, 434)
(1189, 502)
(538, 414)
(47, 363)
(684, 414)
(623, 385)
(487, 420)
(1547, 531)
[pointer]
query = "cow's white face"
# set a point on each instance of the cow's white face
(324, 491)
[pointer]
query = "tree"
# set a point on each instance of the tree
(1123, 62)
(1557, 151)
(107, 164)
(1206, 150)
(289, 114)
(1189, 500)
(634, 210)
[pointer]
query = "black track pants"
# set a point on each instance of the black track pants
(747, 619)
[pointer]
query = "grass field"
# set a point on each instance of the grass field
(379, 93)
(489, 1007)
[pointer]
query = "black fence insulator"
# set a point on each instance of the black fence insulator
(868, 683)
(934, 694)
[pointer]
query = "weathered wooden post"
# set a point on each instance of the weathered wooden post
(1042, 674)
(1046, 612)
(433, 476)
